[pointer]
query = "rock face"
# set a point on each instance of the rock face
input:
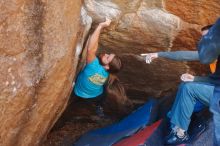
(41, 42)
(38, 45)
(142, 26)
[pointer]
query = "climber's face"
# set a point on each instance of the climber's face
(106, 58)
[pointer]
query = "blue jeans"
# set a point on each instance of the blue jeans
(187, 96)
(215, 109)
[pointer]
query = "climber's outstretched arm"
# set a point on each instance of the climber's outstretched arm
(93, 40)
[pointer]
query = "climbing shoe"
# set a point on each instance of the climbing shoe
(174, 139)
(100, 111)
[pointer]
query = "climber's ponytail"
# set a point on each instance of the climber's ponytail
(115, 92)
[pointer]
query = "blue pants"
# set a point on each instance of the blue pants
(215, 109)
(187, 95)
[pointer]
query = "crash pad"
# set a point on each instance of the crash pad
(140, 137)
(128, 126)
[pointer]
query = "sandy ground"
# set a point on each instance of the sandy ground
(77, 119)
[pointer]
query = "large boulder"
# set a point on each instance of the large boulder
(40, 44)
(141, 26)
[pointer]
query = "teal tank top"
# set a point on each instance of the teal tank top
(90, 81)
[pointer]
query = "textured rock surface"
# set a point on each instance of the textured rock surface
(194, 12)
(142, 26)
(41, 42)
(38, 43)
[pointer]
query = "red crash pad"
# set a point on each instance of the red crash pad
(140, 137)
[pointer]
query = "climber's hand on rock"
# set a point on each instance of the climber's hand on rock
(106, 23)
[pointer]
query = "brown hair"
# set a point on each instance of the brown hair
(115, 91)
(115, 65)
(116, 97)
(207, 27)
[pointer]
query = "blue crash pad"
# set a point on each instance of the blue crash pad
(109, 135)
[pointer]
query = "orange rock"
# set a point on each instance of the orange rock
(38, 44)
